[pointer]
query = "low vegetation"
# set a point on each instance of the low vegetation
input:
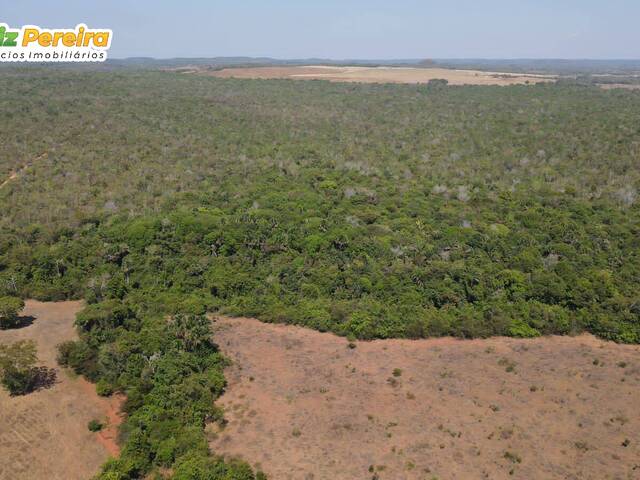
(95, 426)
(10, 307)
(18, 371)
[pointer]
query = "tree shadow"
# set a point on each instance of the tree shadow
(24, 382)
(44, 378)
(20, 322)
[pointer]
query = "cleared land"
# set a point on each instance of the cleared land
(303, 405)
(625, 86)
(44, 434)
(382, 75)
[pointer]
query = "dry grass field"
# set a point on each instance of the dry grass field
(382, 75)
(625, 86)
(304, 405)
(44, 435)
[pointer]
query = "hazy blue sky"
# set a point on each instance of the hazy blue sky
(350, 28)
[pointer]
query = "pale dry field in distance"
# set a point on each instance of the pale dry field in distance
(382, 75)
(44, 435)
(625, 86)
(303, 405)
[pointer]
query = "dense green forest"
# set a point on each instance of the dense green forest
(371, 211)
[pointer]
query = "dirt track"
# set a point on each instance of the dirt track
(382, 75)
(15, 174)
(44, 435)
(303, 405)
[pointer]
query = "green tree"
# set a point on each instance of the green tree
(18, 373)
(9, 309)
(191, 330)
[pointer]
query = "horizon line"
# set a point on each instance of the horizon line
(389, 59)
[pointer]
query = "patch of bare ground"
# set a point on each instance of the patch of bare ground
(12, 176)
(44, 435)
(307, 405)
(382, 75)
(624, 86)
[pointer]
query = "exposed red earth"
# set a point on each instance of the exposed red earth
(304, 405)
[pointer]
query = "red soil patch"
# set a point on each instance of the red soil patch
(44, 435)
(303, 405)
(108, 436)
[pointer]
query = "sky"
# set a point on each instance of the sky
(349, 29)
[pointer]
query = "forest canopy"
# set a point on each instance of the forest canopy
(367, 210)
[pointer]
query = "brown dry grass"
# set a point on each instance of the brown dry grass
(624, 86)
(303, 405)
(382, 75)
(44, 435)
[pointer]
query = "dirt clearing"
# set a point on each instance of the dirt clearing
(44, 435)
(304, 405)
(624, 86)
(383, 75)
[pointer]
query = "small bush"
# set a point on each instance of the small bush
(9, 308)
(509, 365)
(95, 426)
(18, 373)
(520, 329)
(79, 357)
(512, 457)
(19, 382)
(104, 388)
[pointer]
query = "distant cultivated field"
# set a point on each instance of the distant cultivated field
(44, 435)
(611, 86)
(303, 405)
(383, 75)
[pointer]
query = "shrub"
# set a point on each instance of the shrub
(95, 426)
(9, 309)
(520, 329)
(18, 373)
(200, 467)
(19, 382)
(78, 356)
(104, 388)
(103, 317)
